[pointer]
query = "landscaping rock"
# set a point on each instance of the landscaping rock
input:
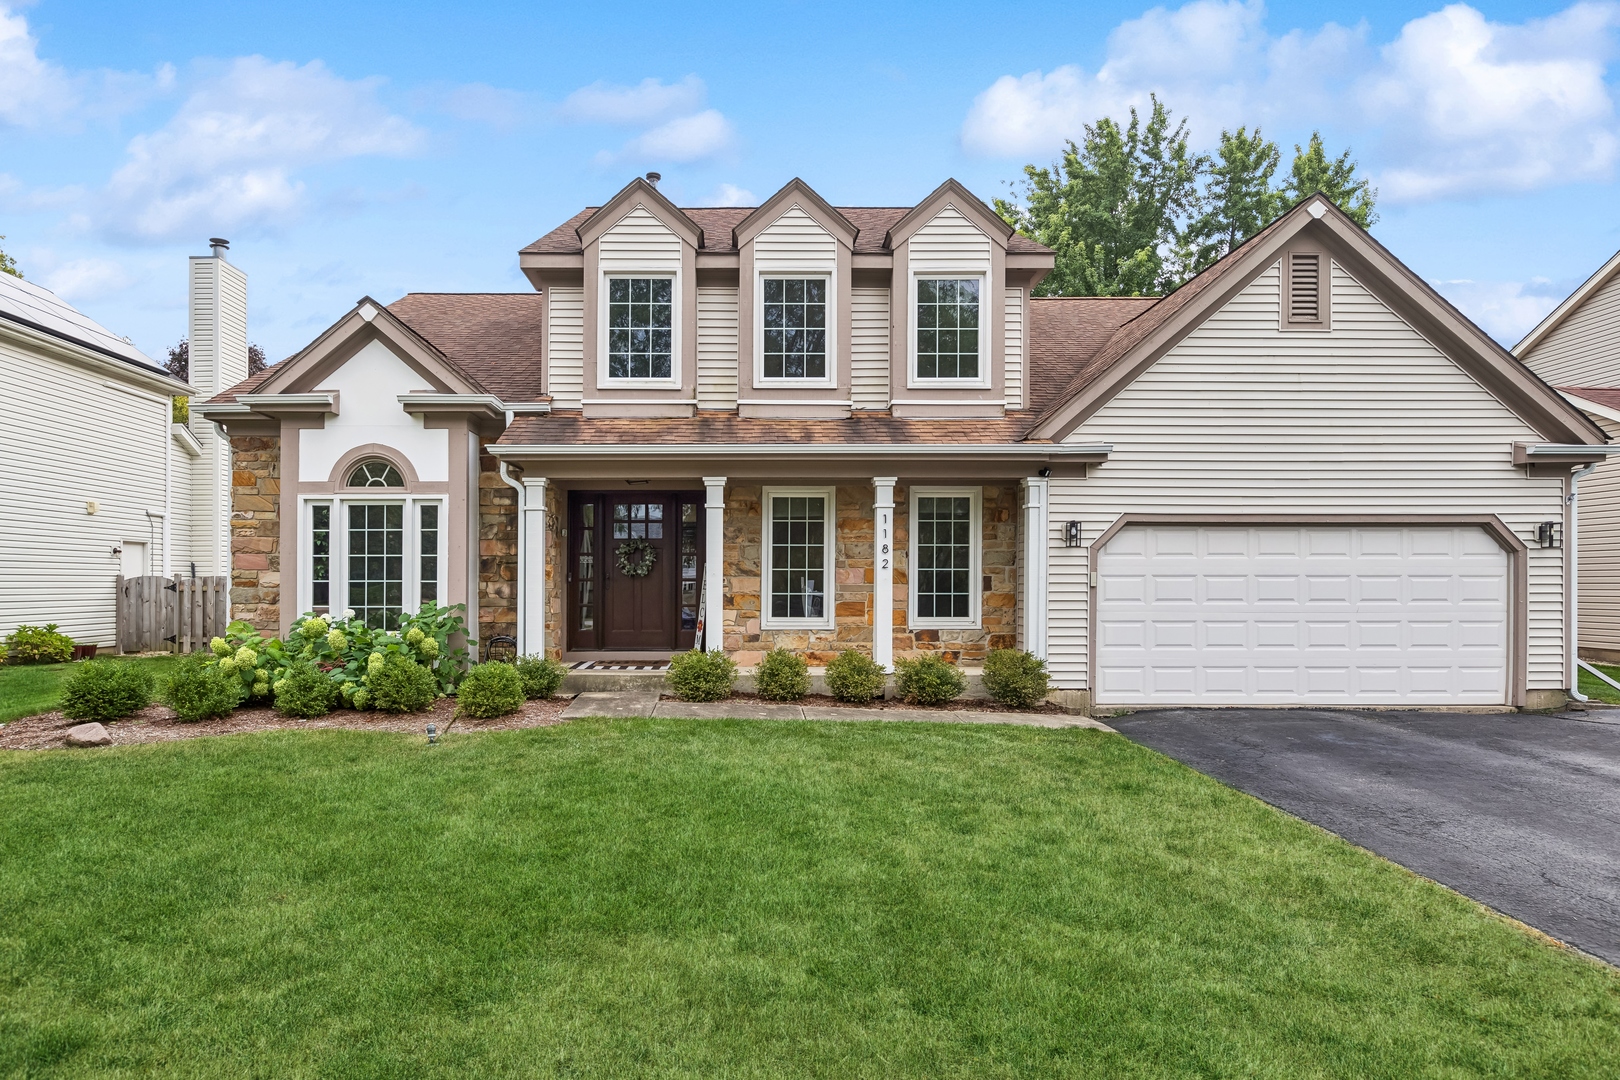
(88, 735)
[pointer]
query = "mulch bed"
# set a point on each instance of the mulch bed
(822, 701)
(157, 723)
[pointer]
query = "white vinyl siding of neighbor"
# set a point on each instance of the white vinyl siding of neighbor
(1240, 418)
(869, 348)
(217, 334)
(1013, 350)
(717, 348)
(368, 385)
(565, 346)
(1584, 349)
(1599, 541)
(73, 435)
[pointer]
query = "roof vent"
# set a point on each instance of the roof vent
(1304, 287)
(653, 178)
(218, 246)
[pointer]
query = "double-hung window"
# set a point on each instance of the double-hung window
(640, 328)
(945, 543)
(374, 547)
(948, 328)
(798, 550)
(793, 318)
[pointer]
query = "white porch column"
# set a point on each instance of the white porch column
(883, 571)
(532, 583)
(714, 570)
(1036, 539)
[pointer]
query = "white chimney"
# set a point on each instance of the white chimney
(219, 348)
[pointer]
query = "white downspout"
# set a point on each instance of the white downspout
(522, 563)
(168, 482)
(1572, 547)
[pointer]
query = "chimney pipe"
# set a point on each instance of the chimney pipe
(653, 178)
(218, 246)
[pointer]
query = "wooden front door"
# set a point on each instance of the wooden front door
(611, 610)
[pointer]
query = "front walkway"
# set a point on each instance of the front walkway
(638, 703)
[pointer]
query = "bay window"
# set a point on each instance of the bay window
(380, 556)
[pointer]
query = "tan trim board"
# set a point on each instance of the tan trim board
(1495, 527)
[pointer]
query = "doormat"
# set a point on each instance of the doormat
(617, 665)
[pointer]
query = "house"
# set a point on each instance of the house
(1577, 349)
(99, 480)
(1302, 478)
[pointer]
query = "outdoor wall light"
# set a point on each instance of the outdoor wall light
(1547, 534)
(1071, 534)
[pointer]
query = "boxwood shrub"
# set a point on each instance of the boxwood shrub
(928, 680)
(105, 690)
(541, 676)
(700, 675)
(397, 684)
(200, 691)
(305, 690)
(490, 690)
(854, 677)
(1014, 677)
(782, 676)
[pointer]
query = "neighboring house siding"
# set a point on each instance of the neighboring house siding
(1584, 350)
(1599, 545)
(1013, 351)
(639, 241)
(74, 435)
(565, 346)
(1368, 419)
(717, 348)
(869, 348)
(369, 385)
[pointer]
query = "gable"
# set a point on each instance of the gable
(369, 384)
(639, 240)
(795, 240)
(1583, 348)
(1370, 384)
(950, 241)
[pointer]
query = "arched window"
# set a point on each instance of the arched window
(375, 473)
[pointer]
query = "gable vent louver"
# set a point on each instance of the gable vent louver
(1304, 287)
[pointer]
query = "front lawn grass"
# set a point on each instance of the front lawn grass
(1598, 690)
(28, 689)
(735, 899)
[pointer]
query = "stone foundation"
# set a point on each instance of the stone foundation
(256, 531)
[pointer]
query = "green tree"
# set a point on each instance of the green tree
(1336, 178)
(8, 265)
(1112, 207)
(1238, 199)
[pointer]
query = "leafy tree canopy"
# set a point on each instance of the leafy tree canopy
(179, 362)
(8, 265)
(1336, 178)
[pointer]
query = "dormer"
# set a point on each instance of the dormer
(949, 308)
(640, 306)
(795, 261)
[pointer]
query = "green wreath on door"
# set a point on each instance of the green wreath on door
(635, 558)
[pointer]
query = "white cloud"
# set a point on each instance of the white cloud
(645, 103)
(730, 195)
(1454, 105)
(228, 158)
(1507, 310)
(83, 280)
(38, 93)
(684, 139)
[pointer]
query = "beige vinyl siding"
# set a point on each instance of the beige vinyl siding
(1366, 419)
(1014, 349)
(639, 241)
(1599, 543)
(950, 242)
(717, 348)
(71, 435)
(565, 346)
(1584, 350)
(869, 348)
(795, 241)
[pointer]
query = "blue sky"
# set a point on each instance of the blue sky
(364, 148)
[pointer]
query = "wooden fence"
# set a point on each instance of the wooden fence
(180, 614)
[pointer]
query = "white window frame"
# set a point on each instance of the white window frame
(411, 593)
(975, 555)
(986, 346)
(603, 378)
(829, 539)
(831, 378)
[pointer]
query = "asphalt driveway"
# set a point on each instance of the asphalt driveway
(1518, 811)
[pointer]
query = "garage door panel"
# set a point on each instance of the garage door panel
(1278, 615)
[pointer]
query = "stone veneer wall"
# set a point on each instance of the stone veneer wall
(497, 553)
(852, 579)
(256, 531)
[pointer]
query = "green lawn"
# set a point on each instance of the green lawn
(1598, 690)
(736, 899)
(26, 689)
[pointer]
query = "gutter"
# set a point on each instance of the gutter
(1028, 451)
(1573, 529)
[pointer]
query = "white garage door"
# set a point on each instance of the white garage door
(1223, 615)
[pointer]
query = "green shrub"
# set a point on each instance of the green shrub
(39, 645)
(782, 676)
(200, 691)
(700, 675)
(305, 690)
(541, 675)
(396, 683)
(105, 690)
(1014, 677)
(491, 690)
(854, 677)
(928, 680)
